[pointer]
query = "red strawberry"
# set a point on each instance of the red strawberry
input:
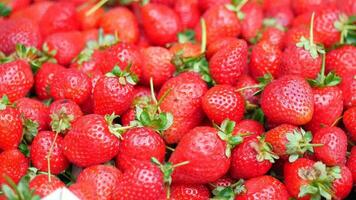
(218, 44)
(343, 186)
(161, 24)
(274, 36)
(13, 164)
(223, 102)
(206, 4)
(66, 46)
(186, 49)
(188, 12)
(44, 79)
(224, 181)
(19, 31)
(70, 84)
(348, 87)
(341, 60)
(333, 151)
(246, 81)
(40, 149)
(90, 141)
(294, 34)
(265, 59)
(303, 6)
(186, 191)
(139, 144)
(183, 101)
(248, 127)
(349, 120)
(251, 21)
(157, 65)
(104, 178)
(15, 5)
(16, 79)
(60, 17)
(351, 163)
(84, 190)
(43, 187)
(227, 64)
(122, 22)
(34, 11)
(288, 99)
(91, 21)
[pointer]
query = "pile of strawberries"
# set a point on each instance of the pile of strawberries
(178, 99)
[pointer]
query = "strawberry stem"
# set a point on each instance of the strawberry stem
(96, 7)
(49, 156)
(203, 36)
(311, 30)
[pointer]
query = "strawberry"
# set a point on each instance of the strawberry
(183, 95)
(23, 31)
(91, 21)
(206, 4)
(43, 187)
(63, 113)
(186, 191)
(248, 127)
(70, 84)
(188, 12)
(227, 64)
(13, 164)
(186, 49)
(351, 163)
(245, 86)
(349, 120)
(34, 11)
(91, 140)
(251, 20)
(10, 126)
(303, 6)
(294, 34)
(288, 99)
(218, 44)
(121, 21)
(222, 102)
(333, 151)
(341, 60)
(66, 46)
(60, 17)
(343, 186)
(160, 23)
(348, 87)
(157, 65)
(84, 190)
(224, 181)
(265, 58)
(15, 5)
(16, 79)
(282, 14)
(104, 178)
(139, 144)
(274, 36)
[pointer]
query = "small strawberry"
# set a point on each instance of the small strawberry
(341, 60)
(245, 86)
(188, 12)
(218, 44)
(88, 21)
(351, 163)
(43, 187)
(250, 128)
(349, 120)
(187, 191)
(63, 113)
(348, 87)
(13, 164)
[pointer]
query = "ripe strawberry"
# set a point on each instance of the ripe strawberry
(43, 187)
(246, 81)
(91, 21)
(15, 5)
(157, 65)
(186, 191)
(218, 44)
(13, 164)
(265, 58)
(206, 4)
(227, 64)
(34, 11)
(343, 186)
(223, 102)
(67, 106)
(183, 101)
(40, 148)
(70, 84)
(91, 141)
(67, 46)
(274, 36)
(351, 163)
(104, 178)
(188, 12)
(348, 87)
(16, 79)
(60, 17)
(84, 190)
(161, 24)
(288, 99)
(44, 79)
(122, 22)
(341, 60)
(303, 6)
(248, 127)
(251, 21)
(333, 151)
(224, 181)
(349, 120)
(23, 31)
(139, 144)
(186, 49)
(282, 14)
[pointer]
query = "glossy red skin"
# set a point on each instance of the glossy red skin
(341, 60)
(12, 164)
(160, 23)
(23, 31)
(333, 152)
(248, 126)
(122, 21)
(43, 187)
(104, 178)
(288, 99)
(223, 102)
(348, 87)
(252, 20)
(34, 110)
(69, 106)
(188, 12)
(84, 190)
(17, 4)
(224, 181)
(265, 58)
(203, 148)
(184, 103)
(277, 137)
(60, 17)
(39, 150)
(302, 20)
(71, 84)
(67, 45)
(293, 35)
(218, 44)
(89, 142)
(283, 15)
(85, 21)
(264, 187)
(347, 6)
(188, 192)
(142, 181)
(324, 25)
(270, 4)
(349, 120)
(187, 49)
(227, 64)
(44, 79)
(328, 107)
(34, 11)
(274, 36)
(10, 128)
(244, 163)
(139, 144)
(298, 61)
(220, 22)
(343, 186)
(351, 163)
(206, 4)
(157, 65)
(303, 6)
(248, 94)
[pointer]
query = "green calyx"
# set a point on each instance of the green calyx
(346, 25)
(116, 129)
(21, 191)
(309, 45)
(264, 151)
(4, 102)
(299, 142)
(229, 192)
(331, 79)
(125, 76)
(30, 129)
(61, 121)
(186, 36)
(236, 6)
(225, 132)
(320, 179)
(4, 10)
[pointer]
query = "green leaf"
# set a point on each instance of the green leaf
(186, 36)
(8, 192)
(4, 10)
